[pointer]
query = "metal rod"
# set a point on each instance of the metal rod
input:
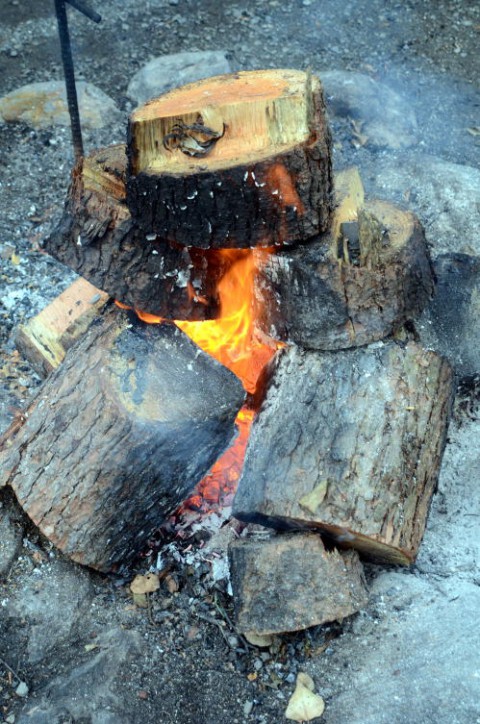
(79, 5)
(68, 70)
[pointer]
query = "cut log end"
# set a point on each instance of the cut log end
(234, 161)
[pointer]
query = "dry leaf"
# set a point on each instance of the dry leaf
(359, 138)
(474, 130)
(15, 259)
(90, 647)
(304, 704)
(315, 498)
(140, 600)
(145, 584)
(172, 584)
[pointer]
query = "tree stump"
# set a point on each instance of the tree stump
(290, 582)
(350, 443)
(234, 161)
(118, 436)
(355, 285)
(97, 238)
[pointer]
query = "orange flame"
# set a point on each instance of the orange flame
(231, 340)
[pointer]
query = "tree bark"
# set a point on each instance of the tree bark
(118, 436)
(350, 443)
(350, 289)
(290, 582)
(97, 238)
(262, 175)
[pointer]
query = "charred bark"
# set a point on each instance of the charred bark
(118, 436)
(350, 443)
(264, 180)
(97, 238)
(336, 293)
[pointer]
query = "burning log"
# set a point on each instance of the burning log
(97, 238)
(350, 443)
(45, 338)
(290, 582)
(234, 161)
(118, 436)
(355, 285)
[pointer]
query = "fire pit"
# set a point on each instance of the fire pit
(260, 295)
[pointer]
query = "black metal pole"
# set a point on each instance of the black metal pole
(79, 5)
(68, 70)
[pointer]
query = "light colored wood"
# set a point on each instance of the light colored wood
(349, 197)
(45, 338)
(263, 112)
(236, 161)
(104, 171)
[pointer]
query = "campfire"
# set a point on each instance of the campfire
(257, 353)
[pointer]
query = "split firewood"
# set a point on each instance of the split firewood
(350, 443)
(290, 582)
(355, 285)
(45, 338)
(234, 161)
(97, 238)
(118, 436)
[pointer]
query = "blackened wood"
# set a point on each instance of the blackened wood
(265, 181)
(118, 436)
(290, 582)
(350, 443)
(97, 238)
(336, 293)
(451, 322)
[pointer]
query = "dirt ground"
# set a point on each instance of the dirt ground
(88, 655)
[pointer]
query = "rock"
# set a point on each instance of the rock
(444, 195)
(387, 665)
(383, 116)
(48, 601)
(86, 692)
(290, 582)
(451, 323)
(10, 537)
(22, 689)
(41, 105)
(169, 71)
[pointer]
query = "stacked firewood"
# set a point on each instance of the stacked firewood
(346, 448)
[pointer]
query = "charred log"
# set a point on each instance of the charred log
(234, 161)
(97, 238)
(350, 443)
(118, 436)
(290, 582)
(347, 290)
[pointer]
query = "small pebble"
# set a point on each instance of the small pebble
(22, 689)
(247, 708)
